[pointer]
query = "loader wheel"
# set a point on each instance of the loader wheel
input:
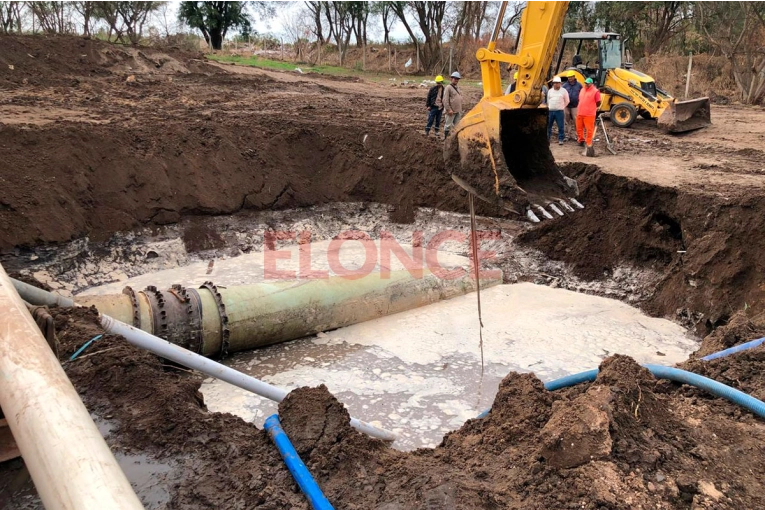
(623, 115)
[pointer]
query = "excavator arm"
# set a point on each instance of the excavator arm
(499, 150)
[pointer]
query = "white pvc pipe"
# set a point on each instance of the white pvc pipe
(189, 359)
(70, 464)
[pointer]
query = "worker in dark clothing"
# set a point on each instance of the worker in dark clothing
(435, 104)
(573, 88)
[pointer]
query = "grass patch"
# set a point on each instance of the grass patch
(280, 65)
(265, 63)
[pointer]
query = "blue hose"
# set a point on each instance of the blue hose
(715, 388)
(673, 374)
(734, 349)
(298, 470)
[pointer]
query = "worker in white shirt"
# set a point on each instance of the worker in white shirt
(557, 100)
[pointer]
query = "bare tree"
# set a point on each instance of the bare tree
(297, 26)
(737, 29)
(430, 19)
(512, 19)
(125, 19)
(315, 9)
(469, 19)
(385, 11)
(86, 10)
(10, 16)
(54, 17)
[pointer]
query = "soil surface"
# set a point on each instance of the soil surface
(99, 139)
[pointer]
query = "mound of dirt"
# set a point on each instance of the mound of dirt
(593, 241)
(710, 256)
(624, 441)
(64, 60)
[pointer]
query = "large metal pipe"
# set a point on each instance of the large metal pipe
(214, 320)
(70, 464)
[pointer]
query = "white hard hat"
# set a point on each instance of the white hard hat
(457, 75)
(556, 79)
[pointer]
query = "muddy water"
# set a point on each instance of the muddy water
(419, 372)
(150, 478)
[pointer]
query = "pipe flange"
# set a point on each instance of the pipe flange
(159, 314)
(225, 333)
(134, 303)
(194, 313)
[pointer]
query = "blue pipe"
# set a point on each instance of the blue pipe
(715, 388)
(673, 374)
(734, 349)
(298, 470)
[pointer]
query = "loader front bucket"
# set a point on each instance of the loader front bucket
(682, 116)
(502, 155)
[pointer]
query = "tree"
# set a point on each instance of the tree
(737, 29)
(385, 11)
(298, 28)
(10, 16)
(430, 19)
(648, 25)
(54, 17)
(125, 19)
(86, 10)
(580, 17)
(316, 9)
(215, 19)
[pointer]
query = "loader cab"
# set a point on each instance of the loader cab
(590, 53)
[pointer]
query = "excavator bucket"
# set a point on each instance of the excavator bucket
(682, 116)
(503, 157)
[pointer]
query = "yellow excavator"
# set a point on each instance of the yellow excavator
(499, 151)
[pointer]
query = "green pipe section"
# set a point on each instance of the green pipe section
(267, 313)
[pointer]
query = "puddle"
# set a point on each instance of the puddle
(419, 372)
(151, 479)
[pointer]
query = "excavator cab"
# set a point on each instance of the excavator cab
(499, 150)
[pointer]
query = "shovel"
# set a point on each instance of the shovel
(605, 133)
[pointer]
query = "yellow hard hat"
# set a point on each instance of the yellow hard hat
(569, 74)
(515, 76)
(439, 78)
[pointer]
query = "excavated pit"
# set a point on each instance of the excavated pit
(193, 164)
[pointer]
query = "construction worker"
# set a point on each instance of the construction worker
(452, 103)
(573, 88)
(511, 87)
(557, 100)
(587, 111)
(435, 104)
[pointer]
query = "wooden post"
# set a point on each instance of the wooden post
(451, 55)
(688, 76)
(390, 68)
(417, 48)
(364, 56)
(318, 59)
(282, 39)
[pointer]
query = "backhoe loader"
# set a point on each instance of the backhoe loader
(627, 92)
(499, 150)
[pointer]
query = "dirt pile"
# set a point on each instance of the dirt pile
(114, 155)
(710, 255)
(64, 61)
(624, 441)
